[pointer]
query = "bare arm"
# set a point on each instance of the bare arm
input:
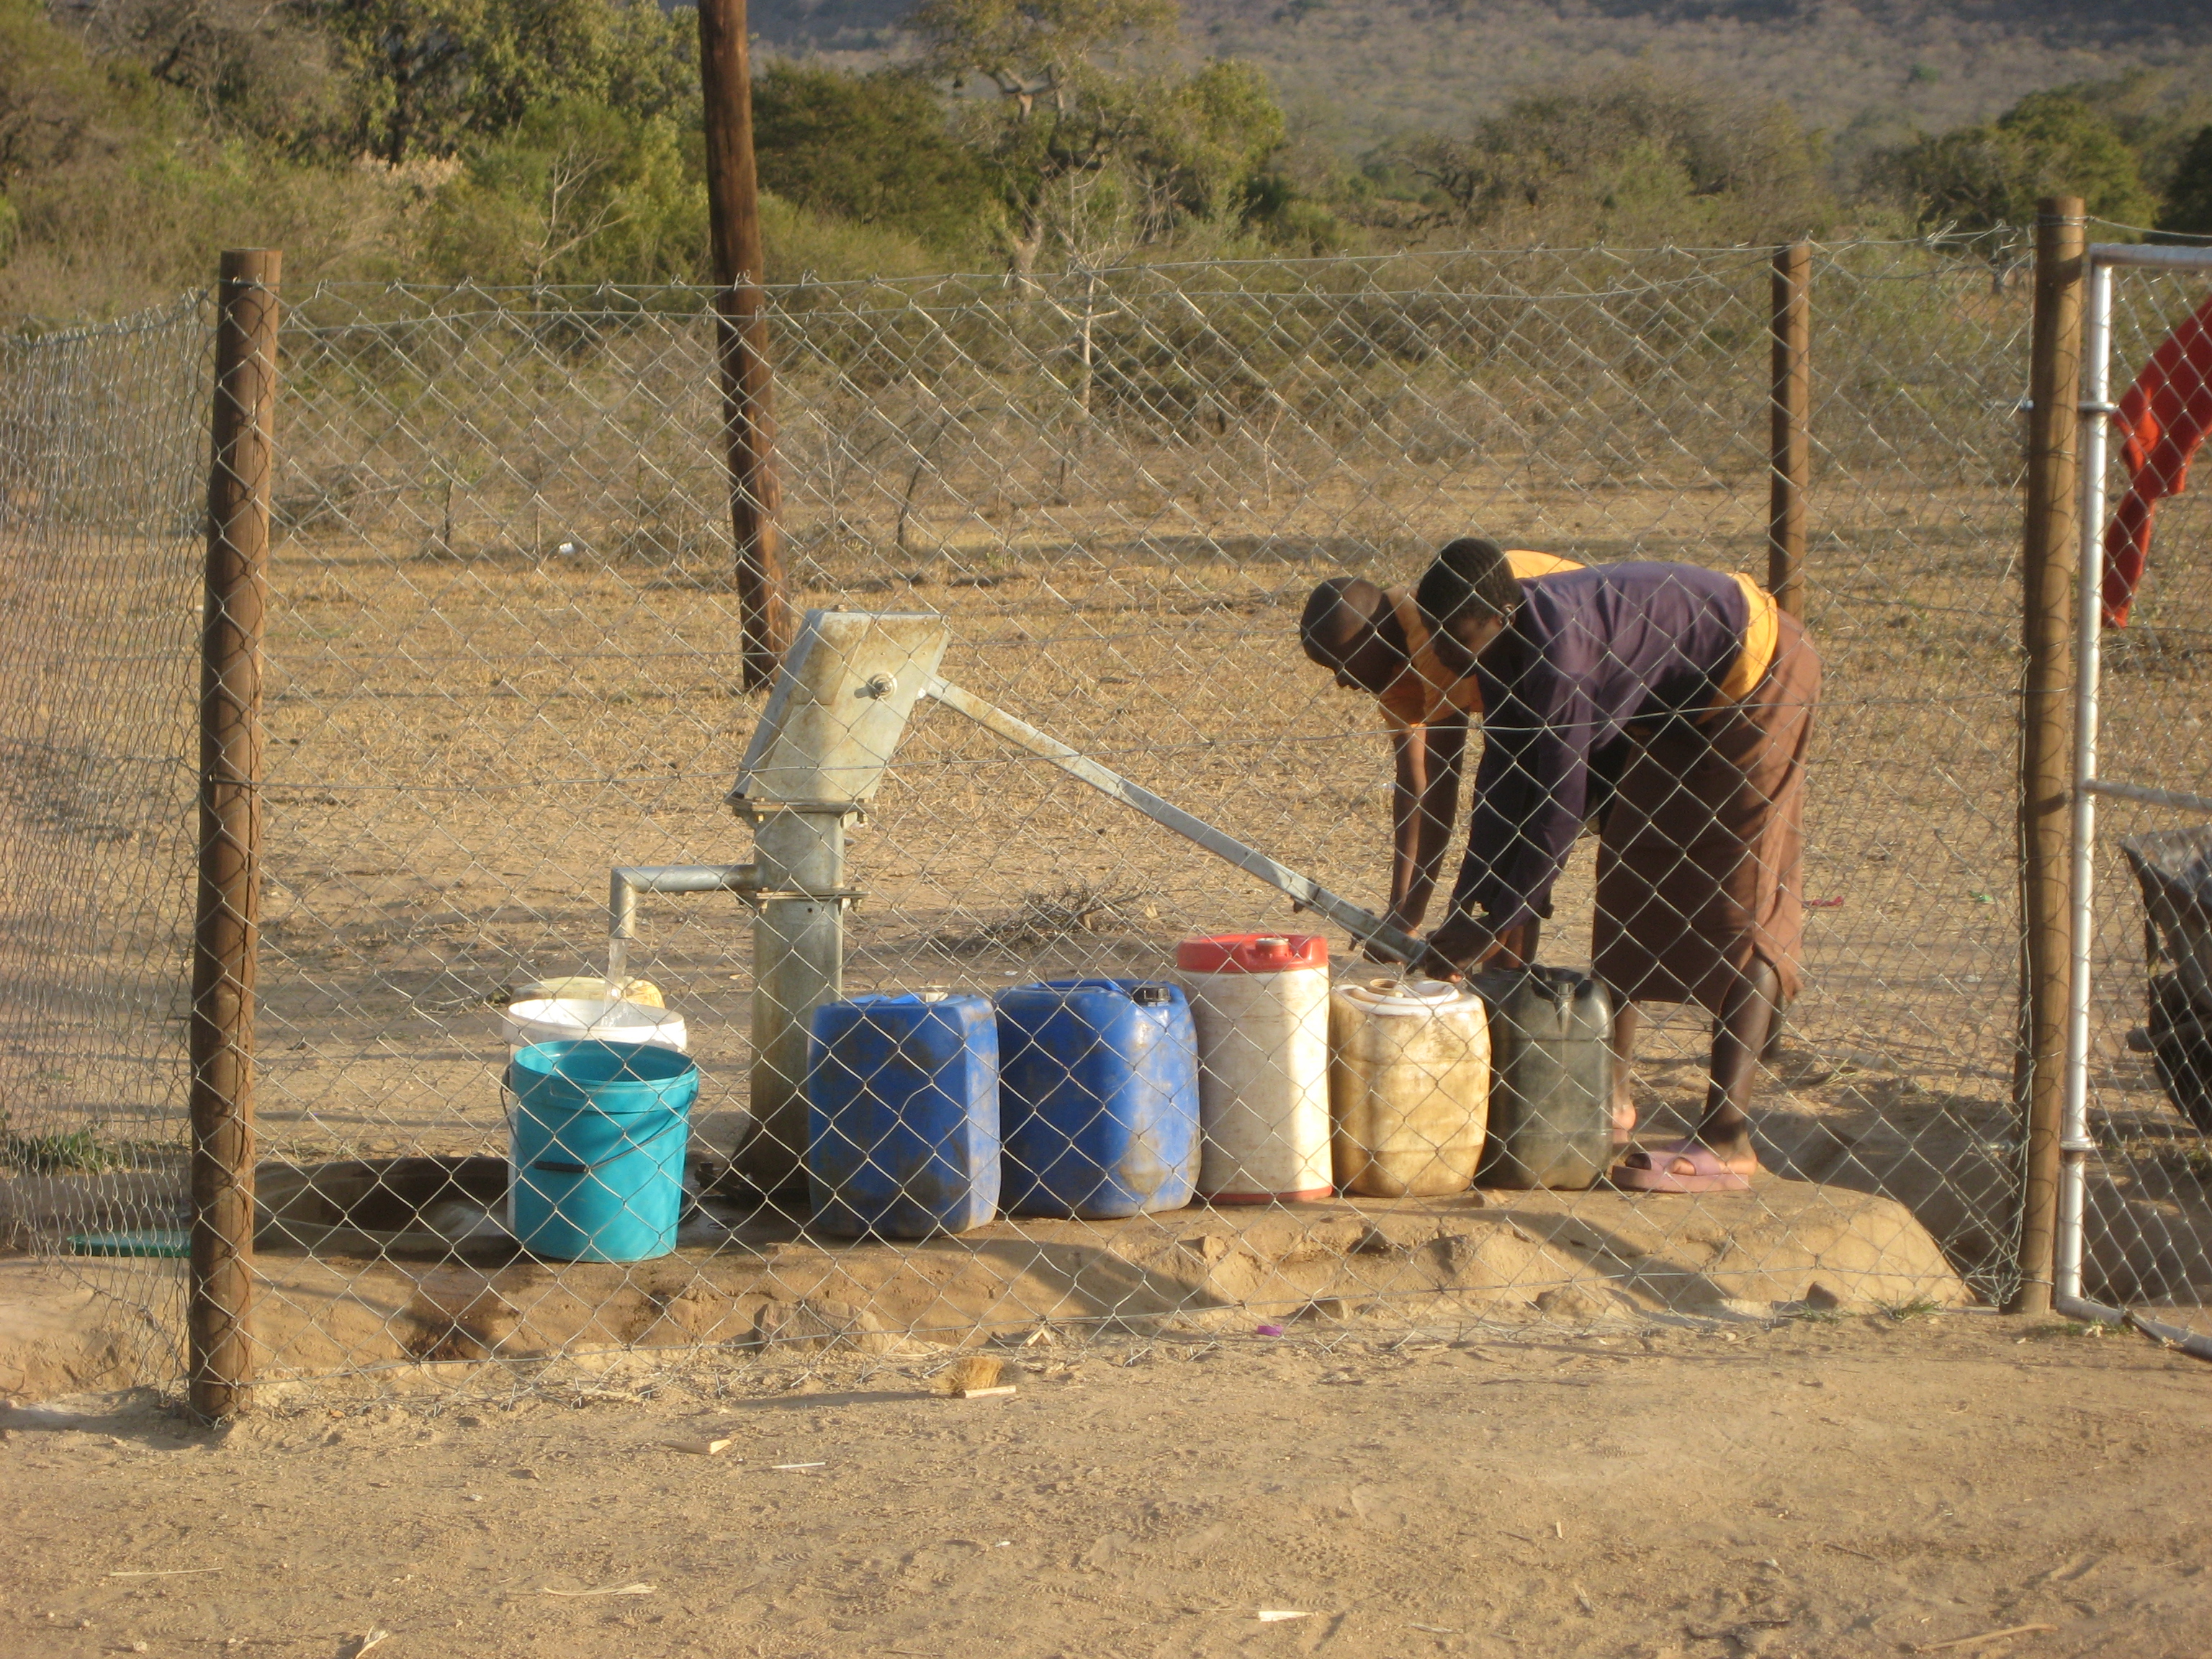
(1424, 803)
(1409, 757)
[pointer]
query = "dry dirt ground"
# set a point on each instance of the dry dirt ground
(1815, 1487)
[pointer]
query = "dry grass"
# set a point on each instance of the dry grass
(1065, 915)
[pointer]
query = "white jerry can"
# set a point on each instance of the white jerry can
(1260, 1003)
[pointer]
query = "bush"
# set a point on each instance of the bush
(577, 193)
(802, 246)
(1627, 158)
(2188, 198)
(874, 148)
(119, 228)
(580, 193)
(2050, 143)
(430, 76)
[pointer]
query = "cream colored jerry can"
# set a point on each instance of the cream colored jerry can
(1260, 1004)
(1408, 1086)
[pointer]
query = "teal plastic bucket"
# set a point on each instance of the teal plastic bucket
(597, 1143)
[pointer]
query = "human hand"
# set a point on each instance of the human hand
(1375, 951)
(1457, 945)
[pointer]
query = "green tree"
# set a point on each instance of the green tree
(2050, 143)
(430, 75)
(651, 62)
(576, 193)
(54, 100)
(876, 149)
(244, 67)
(1037, 51)
(1064, 110)
(2189, 198)
(121, 186)
(2156, 113)
(1204, 146)
(1627, 156)
(1092, 139)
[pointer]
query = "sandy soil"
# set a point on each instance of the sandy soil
(478, 1323)
(1812, 1488)
(1501, 1259)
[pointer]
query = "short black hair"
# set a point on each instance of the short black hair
(1468, 578)
(1340, 614)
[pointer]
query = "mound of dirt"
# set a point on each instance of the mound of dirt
(61, 1335)
(1567, 1258)
(1498, 1258)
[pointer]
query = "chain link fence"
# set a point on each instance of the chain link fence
(503, 657)
(103, 478)
(2148, 1205)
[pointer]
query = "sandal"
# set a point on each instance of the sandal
(1651, 1171)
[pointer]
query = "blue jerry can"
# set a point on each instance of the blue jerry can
(903, 1114)
(1098, 1097)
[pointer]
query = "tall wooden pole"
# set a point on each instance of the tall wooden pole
(2048, 564)
(220, 1306)
(1789, 412)
(741, 330)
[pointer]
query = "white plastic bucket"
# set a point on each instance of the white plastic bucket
(1260, 1004)
(567, 1019)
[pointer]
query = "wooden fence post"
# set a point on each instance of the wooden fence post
(2049, 557)
(1790, 410)
(741, 337)
(226, 931)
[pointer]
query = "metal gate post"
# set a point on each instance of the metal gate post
(2074, 1141)
(2074, 1145)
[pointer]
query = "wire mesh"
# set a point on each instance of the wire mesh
(503, 657)
(102, 488)
(2149, 1209)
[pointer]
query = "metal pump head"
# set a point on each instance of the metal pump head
(839, 707)
(841, 704)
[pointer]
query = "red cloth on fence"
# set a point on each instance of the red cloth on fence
(2162, 418)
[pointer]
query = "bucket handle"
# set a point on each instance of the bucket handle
(544, 1168)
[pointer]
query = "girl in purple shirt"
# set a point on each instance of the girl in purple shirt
(1673, 705)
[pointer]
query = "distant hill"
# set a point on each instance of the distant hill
(1355, 72)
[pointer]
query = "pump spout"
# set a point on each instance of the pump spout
(625, 883)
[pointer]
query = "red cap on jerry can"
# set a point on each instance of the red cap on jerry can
(1252, 953)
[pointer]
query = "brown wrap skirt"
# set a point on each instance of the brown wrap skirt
(1700, 862)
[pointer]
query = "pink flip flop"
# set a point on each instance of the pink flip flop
(1647, 1170)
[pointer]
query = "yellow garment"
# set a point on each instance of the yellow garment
(1760, 635)
(1424, 692)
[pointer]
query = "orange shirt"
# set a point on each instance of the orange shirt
(1424, 692)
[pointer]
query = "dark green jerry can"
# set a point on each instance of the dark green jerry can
(1550, 1078)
